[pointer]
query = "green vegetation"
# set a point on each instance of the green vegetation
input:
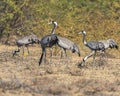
(100, 18)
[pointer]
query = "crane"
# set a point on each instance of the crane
(94, 46)
(48, 41)
(25, 41)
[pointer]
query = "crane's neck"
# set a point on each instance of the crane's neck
(53, 30)
(84, 39)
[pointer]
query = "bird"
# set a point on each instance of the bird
(94, 46)
(65, 43)
(24, 42)
(48, 41)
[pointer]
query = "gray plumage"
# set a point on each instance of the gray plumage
(47, 42)
(25, 41)
(93, 46)
(67, 44)
(110, 43)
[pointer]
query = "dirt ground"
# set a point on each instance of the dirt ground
(56, 77)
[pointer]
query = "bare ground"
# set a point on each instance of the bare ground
(56, 77)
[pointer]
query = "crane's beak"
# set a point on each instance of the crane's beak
(80, 33)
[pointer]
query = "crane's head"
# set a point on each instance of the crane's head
(53, 22)
(82, 32)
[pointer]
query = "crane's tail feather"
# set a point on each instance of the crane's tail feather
(116, 46)
(113, 44)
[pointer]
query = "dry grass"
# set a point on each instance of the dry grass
(56, 78)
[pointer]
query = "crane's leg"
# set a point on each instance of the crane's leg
(51, 55)
(14, 53)
(61, 55)
(105, 54)
(67, 59)
(103, 58)
(45, 56)
(28, 49)
(23, 53)
(86, 57)
(62, 52)
(40, 60)
(94, 59)
(55, 52)
(65, 52)
(51, 52)
(67, 56)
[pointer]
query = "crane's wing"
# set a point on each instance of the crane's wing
(94, 45)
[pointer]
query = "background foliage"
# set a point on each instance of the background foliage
(100, 18)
